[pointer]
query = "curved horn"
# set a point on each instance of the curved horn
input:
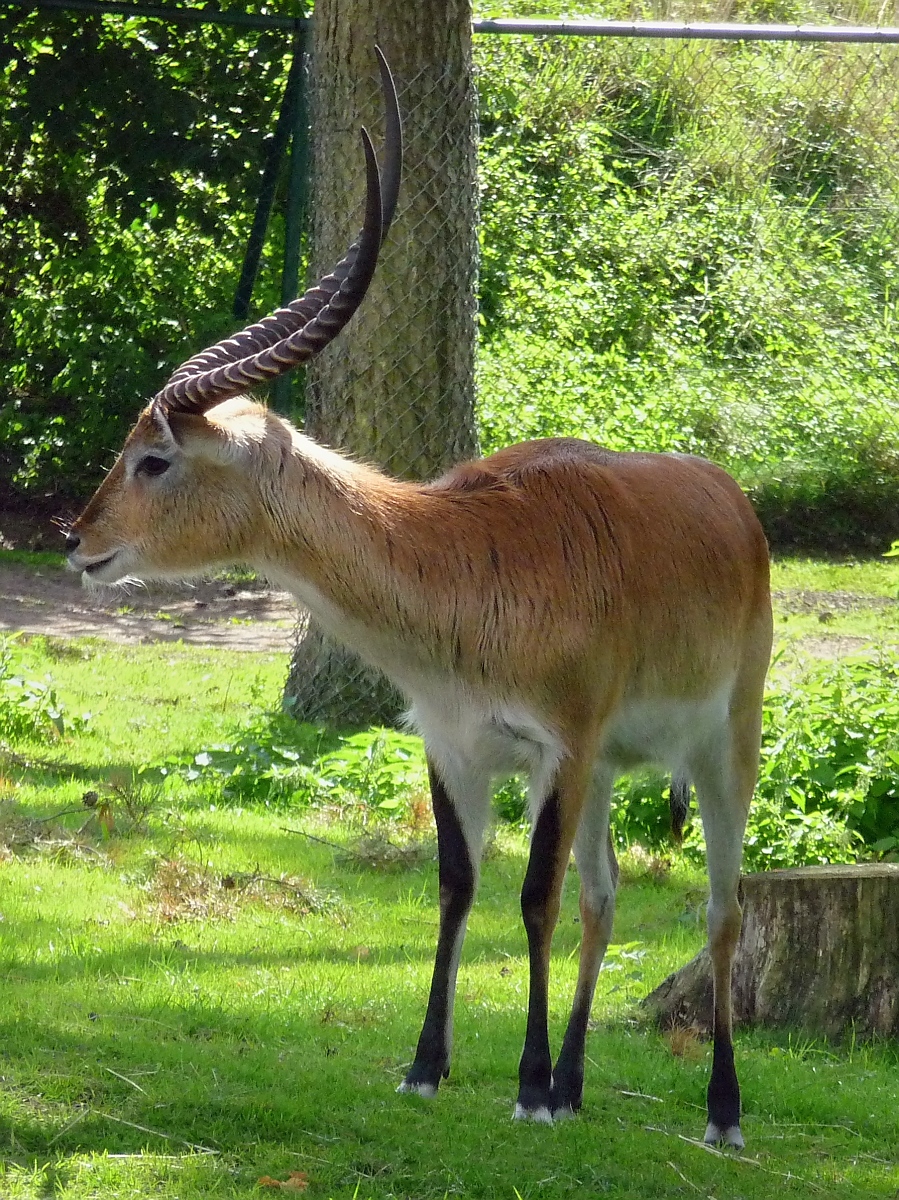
(393, 141)
(294, 334)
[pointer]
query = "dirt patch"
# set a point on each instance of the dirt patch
(51, 601)
(829, 604)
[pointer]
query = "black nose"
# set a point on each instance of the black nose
(73, 541)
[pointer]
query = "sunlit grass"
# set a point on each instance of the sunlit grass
(266, 1043)
(862, 577)
(186, 1058)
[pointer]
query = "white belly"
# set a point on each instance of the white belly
(662, 732)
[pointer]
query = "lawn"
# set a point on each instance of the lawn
(197, 999)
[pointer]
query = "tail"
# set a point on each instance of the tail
(679, 804)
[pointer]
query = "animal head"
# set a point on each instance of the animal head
(185, 495)
(187, 490)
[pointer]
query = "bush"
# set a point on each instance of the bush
(828, 788)
(29, 708)
(694, 247)
(282, 764)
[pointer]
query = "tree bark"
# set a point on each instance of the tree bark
(819, 949)
(397, 388)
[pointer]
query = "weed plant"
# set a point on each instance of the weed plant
(29, 706)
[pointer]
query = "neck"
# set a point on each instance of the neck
(345, 539)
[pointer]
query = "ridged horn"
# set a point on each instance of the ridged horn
(294, 334)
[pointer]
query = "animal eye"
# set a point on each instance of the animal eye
(152, 464)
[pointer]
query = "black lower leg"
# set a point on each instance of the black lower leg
(596, 926)
(724, 1090)
(456, 872)
(538, 907)
(568, 1077)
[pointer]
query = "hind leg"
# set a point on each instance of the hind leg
(551, 843)
(598, 872)
(724, 775)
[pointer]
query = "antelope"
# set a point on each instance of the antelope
(554, 609)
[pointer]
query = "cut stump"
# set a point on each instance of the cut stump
(819, 948)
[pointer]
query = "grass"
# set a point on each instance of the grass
(31, 558)
(836, 607)
(196, 999)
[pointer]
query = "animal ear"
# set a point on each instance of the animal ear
(187, 428)
(163, 425)
(199, 437)
(189, 433)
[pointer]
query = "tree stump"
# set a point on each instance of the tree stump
(819, 948)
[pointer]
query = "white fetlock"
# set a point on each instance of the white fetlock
(541, 1115)
(426, 1090)
(731, 1136)
(564, 1114)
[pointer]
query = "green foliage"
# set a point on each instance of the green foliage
(379, 769)
(29, 706)
(282, 764)
(511, 800)
(262, 765)
(130, 154)
(781, 832)
(788, 836)
(687, 246)
(831, 746)
(695, 247)
(828, 788)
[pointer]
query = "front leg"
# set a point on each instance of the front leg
(459, 851)
(540, 897)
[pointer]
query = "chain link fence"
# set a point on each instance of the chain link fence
(686, 244)
(702, 254)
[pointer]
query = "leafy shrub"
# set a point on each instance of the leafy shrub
(692, 248)
(124, 222)
(789, 836)
(284, 765)
(828, 788)
(29, 708)
(831, 746)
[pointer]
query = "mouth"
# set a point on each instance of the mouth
(95, 567)
(98, 570)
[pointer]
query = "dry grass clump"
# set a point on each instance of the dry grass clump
(373, 850)
(21, 834)
(182, 890)
(377, 852)
(120, 808)
(685, 1041)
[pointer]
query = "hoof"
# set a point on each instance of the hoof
(541, 1115)
(565, 1113)
(426, 1090)
(731, 1137)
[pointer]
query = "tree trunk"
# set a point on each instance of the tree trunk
(819, 949)
(398, 388)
